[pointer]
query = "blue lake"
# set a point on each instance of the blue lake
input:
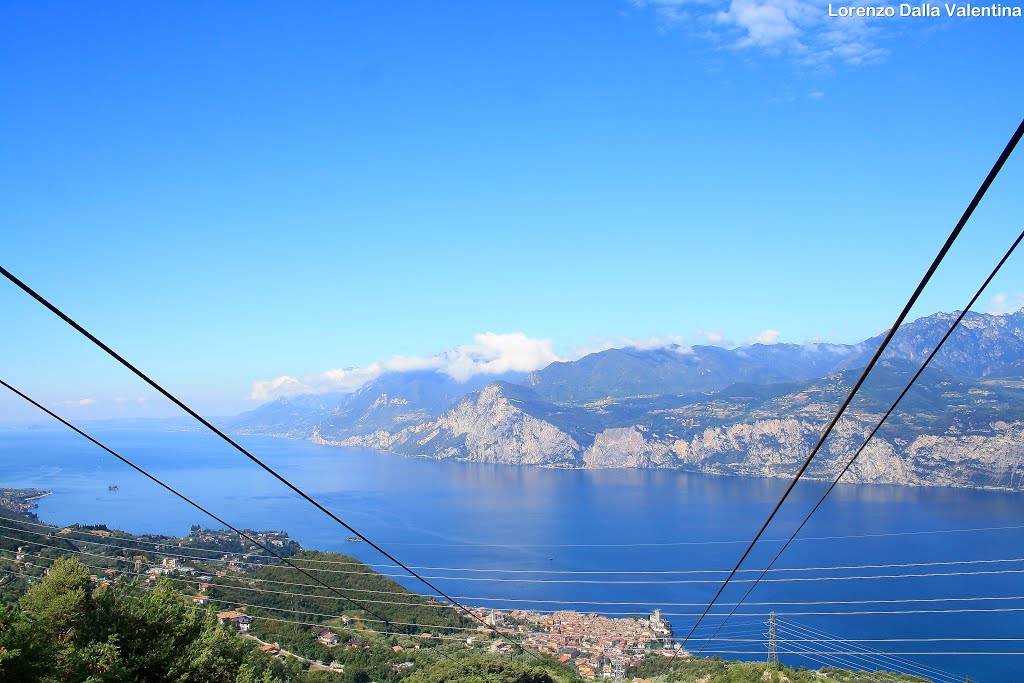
(541, 522)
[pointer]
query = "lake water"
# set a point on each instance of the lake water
(548, 523)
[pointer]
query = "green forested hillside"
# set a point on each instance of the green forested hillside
(63, 630)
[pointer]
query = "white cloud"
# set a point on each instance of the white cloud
(490, 354)
(494, 354)
(667, 341)
(765, 337)
(763, 23)
(712, 338)
(1006, 302)
(798, 29)
(77, 403)
(672, 341)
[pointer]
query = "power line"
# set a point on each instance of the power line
(250, 588)
(248, 578)
(889, 565)
(877, 640)
(878, 601)
(312, 623)
(206, 423)
(442, 627)
(356, 563)
(956, 653)
(688, 604)
(260, 582)
(791, 579)
(865, 652)
(690, 582)
(885, 416)
(736, 541)
(60, 533)
(823, 662)
(183, 496)
(211, 598)
(852, 662)
(982, 190)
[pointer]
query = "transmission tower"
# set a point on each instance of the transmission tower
(773, 647)
(619, 670)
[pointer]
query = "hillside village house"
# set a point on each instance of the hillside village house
(237, 619)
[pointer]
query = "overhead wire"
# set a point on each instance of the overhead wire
(210, 426)
(312, 623)
(231, 556)
(250, 588)
(878, 425)
(848, 663)
(843, 662)
(939, 257)
(852, 662)
(215, 599)
(792, 626)
(887, 659)
(790, 579)
(257, 585)
(735, 541)
(185, 498)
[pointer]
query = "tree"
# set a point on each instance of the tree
(20, 656)
(214, 657)
(60, 604)
(63, 619)
(479, 669)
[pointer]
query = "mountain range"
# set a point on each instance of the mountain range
(751, 410)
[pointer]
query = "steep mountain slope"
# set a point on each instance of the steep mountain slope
(392, 400)
(620, 373)
(982, 346)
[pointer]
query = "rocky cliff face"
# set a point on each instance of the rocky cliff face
(627, 447)
(487, 427)
(769, 436)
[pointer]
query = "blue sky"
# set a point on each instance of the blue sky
(236, 193)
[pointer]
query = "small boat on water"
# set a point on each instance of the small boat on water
(112, 487)
(353, 539)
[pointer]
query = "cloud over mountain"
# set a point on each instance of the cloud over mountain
(490, 354)
(1003, 303)
(766, 337)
